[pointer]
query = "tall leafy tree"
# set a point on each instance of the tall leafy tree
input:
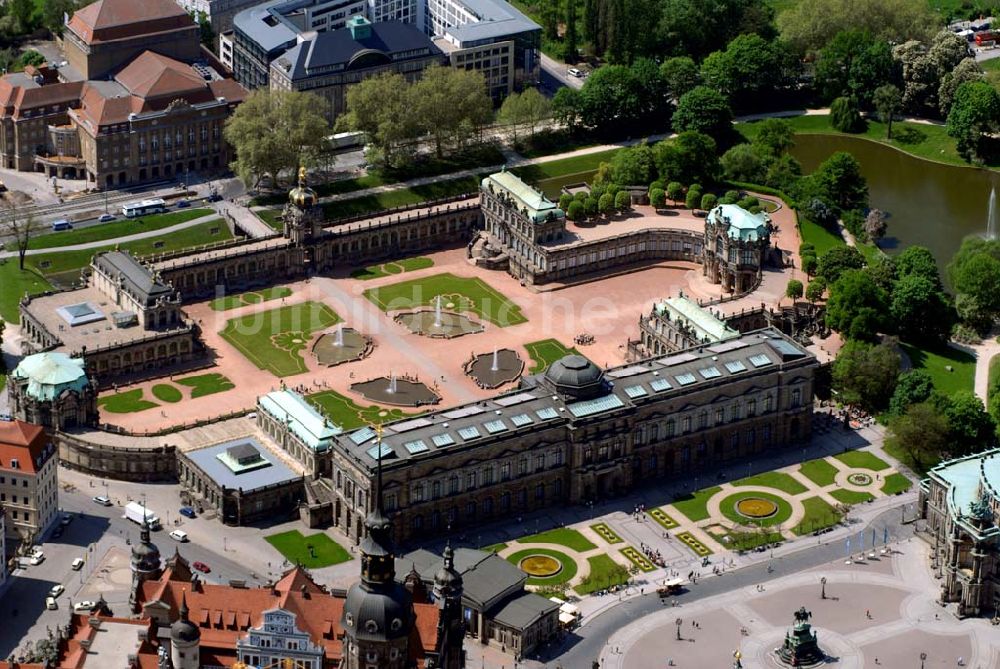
(887, 100)
(680, 74)
(917, 261)
(704, 110)
(920, 310)
(975, 114)
(970, 427)
(914, 386)
(748, 66)
(379, 106)
(921, 432)
(854, 63)
(570, 39)
(691, 157)
(865, 375)
(967, 70)
(924, 65)
(696, 28)
(811, 24)
(857, 307)
(453, 103)
(839, 178)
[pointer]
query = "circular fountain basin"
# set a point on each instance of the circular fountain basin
(756, 507)
(397, 392)
(347, 345)
(540, 566)
(492, 370)
(430, 323)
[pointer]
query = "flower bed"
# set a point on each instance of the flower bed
(606, 533)
(660, 516)
(859, 478)
(700, 549)
(638, 559)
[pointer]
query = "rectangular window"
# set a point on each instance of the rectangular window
(505, 471)
(796, 398)
(686, 425)
(470, 481)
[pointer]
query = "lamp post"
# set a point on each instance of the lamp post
(822, 584)
(678, 622)
(923, 658)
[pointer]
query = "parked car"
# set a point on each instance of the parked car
(58, 532)
(86, 606)
(56, 590)
(37, 559)
(102, 500)
(179, 535)
(66, 519)
(104, 218)
(77, 564)
(214, 197)
(188, 511)
(181, 204)
(201, 566)
(50, 603)
(574, 72)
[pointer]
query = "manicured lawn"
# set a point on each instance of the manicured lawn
(344, 412)
(819, 515)
(564, 536)
(400, 197)
(728, 509)
(896, 483)
(640, 561)
(604, 573)
(167, 393)
(819, 237)
(460, 293)
(819, 471)
(607, 533)
(250, 297)
(394, 267)
(564, 167)
(695, 505)
(114, 229)
(273, 340)
(565, 575)
(546, 351)
(14, 284)
(994, 374)
(206, 384)
(862, 460)
(494, 548)
(851, 496)
(692, 542)
(934, 362)
(313, 552)
(777, 480)
(129, 401)
(745, 541)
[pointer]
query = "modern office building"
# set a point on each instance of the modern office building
(29, 487)
(329, 63)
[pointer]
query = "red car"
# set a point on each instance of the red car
(201, 566)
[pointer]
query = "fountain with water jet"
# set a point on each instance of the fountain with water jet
(991, 216)
(392, 384)
(345, 344)
(492, 370)
(437, 309)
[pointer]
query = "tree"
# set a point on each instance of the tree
(564, 201)
(452, 103)
(853, 64)
(623, 201)
(774, 137)
(921, 432)
(970, 427)
(616, 97)
(693, 198)
(839, 178)
(675, 191)
(273, 131)
(205, 32)
(744, 163)
(794, 289)
(845, 117)
(53, 12)
(920, 310)
(966, 71)
(865, 375)
(975, 272)
(809, 265)
(695, 28)
(708, 201)
(680, 74)
(748, 66)
(856, 307)
(634, 165)
(691, 156)
(924, 66)
(838, 260)
(914, 386)
(378, 106)
(657, 198)
(570, 40)
(875, 224)
(974, 114)
(917, 261)
(23, 12)
(574, 211)
(815, 290)
(704, 110)
(811, 24)
(888, 100)
(566, 107)
(528, 108)
(606, 204)
(21, 228)
(590, 206)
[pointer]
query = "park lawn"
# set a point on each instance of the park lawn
(817, 235)
(862, 460)
(465, 294)
(400, 197)
(746, 541)
(129, 401)
(295, 547)
(896, 483)
(604, 573)
(114, 229)
(14, 283)
(546, 351)
(851, 497)
(249, 297)
(565, 575)
(167, 393)
(819, 471)
(564, 536)
(494, 548)
(777, 480)
(206, 384)
(994, 374)
(272, 217)
(565, 166)
(819, 515)
(695, 505)
(394, 267)
(272, 340)
(343, 412)
(934, 362)
(728, 509)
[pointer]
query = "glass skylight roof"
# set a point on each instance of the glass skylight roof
(511, 400)
(471, 432)
(521, 419)
(547, 413)
(375, 454)
(685, 379)
(659, 385)
(362, 435)
(417, 446)
(495, 426)
(442, 440)
(710, 372)
(635, 391)
(591, 407)
(736, 366)
(759, 360)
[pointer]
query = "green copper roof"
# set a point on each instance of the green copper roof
(302, 419)
(742, 224)
(50, 373)
(705, 325)
(539, 207)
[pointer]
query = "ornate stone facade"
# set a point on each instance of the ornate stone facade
(735, 247)
(52, 390)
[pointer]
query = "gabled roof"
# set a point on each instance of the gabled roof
(116, 19)
(153, 75)
(23, 442)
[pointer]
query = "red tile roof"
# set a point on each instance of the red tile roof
(22, 441)
(106, 20)
(153, 75)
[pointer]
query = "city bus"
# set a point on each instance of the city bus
(153, 206)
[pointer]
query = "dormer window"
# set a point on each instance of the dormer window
(14, 464)
(396, 624)
(349, 619)
(371, 626)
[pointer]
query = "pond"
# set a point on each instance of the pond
(929, 204)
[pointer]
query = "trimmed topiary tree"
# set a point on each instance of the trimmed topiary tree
(657, 198)
(675, 191)
(692, 199)
(748, 202)
(606, 205)
(794, 289)
(623, 201)
(575, 211)
(731, 197)
(708, 201)
(809, 264)
(564, 201)
(590, 206)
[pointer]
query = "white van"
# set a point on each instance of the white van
(179, 535)
(50, 603)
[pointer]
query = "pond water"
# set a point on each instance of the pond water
(929, 204)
